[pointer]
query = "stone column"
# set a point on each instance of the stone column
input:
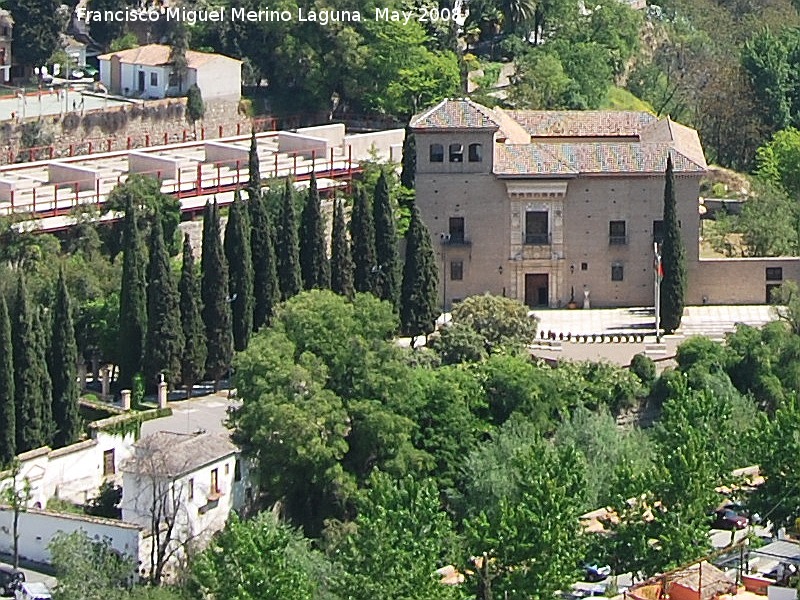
(126, 399)
(105, 378)
(162, 393)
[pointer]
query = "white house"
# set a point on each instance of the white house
(146, 72)
(182, 488)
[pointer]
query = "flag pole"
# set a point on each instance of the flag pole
(657, 272)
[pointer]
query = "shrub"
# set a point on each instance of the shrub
(644, 368)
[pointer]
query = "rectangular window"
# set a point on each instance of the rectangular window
(584, 266)
(190, 489)
(436, 153)
(456, 153)
(457, 270)
(475, 153)
(109, 466)
(537, 229)
(617, 273)
(658, 231)
(214, 482)
(456, 230)
(774, 273)
(617, 234)
(153, 79)
(237, 471)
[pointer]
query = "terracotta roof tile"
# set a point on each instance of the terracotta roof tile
(155, 55)
(582, 123)
(456, 114)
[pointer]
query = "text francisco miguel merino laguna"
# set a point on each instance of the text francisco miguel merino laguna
(224, 13)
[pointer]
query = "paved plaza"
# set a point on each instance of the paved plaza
(51, 102)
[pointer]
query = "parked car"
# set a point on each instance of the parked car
(10, 580)
(593, 572)
(728, 518)
(33, 591)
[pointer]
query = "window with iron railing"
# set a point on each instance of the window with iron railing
(456, 230)
(617, 233)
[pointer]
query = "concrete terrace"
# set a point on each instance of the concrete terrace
(50, 191)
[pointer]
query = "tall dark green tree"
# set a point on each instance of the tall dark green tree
(266, 290)
(164, 338)
(41, 337)
(409, 171)
(63, 370)
(314, 267)
(673, 284)
(341, 258)
(419, 294)
(8, 441)
(193, 358)
(216, 302)
(31, 431)
(286, 246)
(386, 254)
(133, 300)
(362, 235)
(253, 165)
(240, 271)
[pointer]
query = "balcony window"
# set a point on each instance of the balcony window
(617, 235)
(437, 153)
(658, 231)
(617, 272)
(456, 230)
(475, 153)
(456, 270)
(456, 152)
(537, 228)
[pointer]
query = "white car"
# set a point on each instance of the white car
(33, 590)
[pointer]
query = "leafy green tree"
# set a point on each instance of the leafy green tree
(8, 441)
(386, 254)
(195, 107)
(63, 361)
(88, 569)
(193, 358)
(314, 267)
(787, 307)
(524, 504)
(341, 257)
(287, 246)
(458, 343)
(401, 536)
(259, 558)
(103, 32)
(769, 223)
(266, 290)
(419, 292)
(673, 259)
(37, 25)
(778, 161)
(253, 166)
(215, 297)
(539, 81)
(500, 321)
(16, 494)
(164, 337)
(240, 270)
(133, 300)
(30, 369)
(362, 233)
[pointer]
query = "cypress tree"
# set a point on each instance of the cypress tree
(286, 246)
(253, 166)
(214, 289)
(419, 293)
(45, 384)
(193, 358)
(8, 417)
(266, 291)
(341, 259)
(63, 370)
(409, 164)
(314, 266)
(164, 339)
(673, 259)
(30, 430)
(388, 275)
(132, 300)
(240, 271)
(362, 234)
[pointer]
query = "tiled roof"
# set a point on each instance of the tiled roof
(460, 113)
(594, 157)
(582, 123)
(175, 454)
(155, 55)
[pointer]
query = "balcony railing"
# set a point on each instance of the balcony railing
(453, 240)
(617, 240)
(536, 239)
